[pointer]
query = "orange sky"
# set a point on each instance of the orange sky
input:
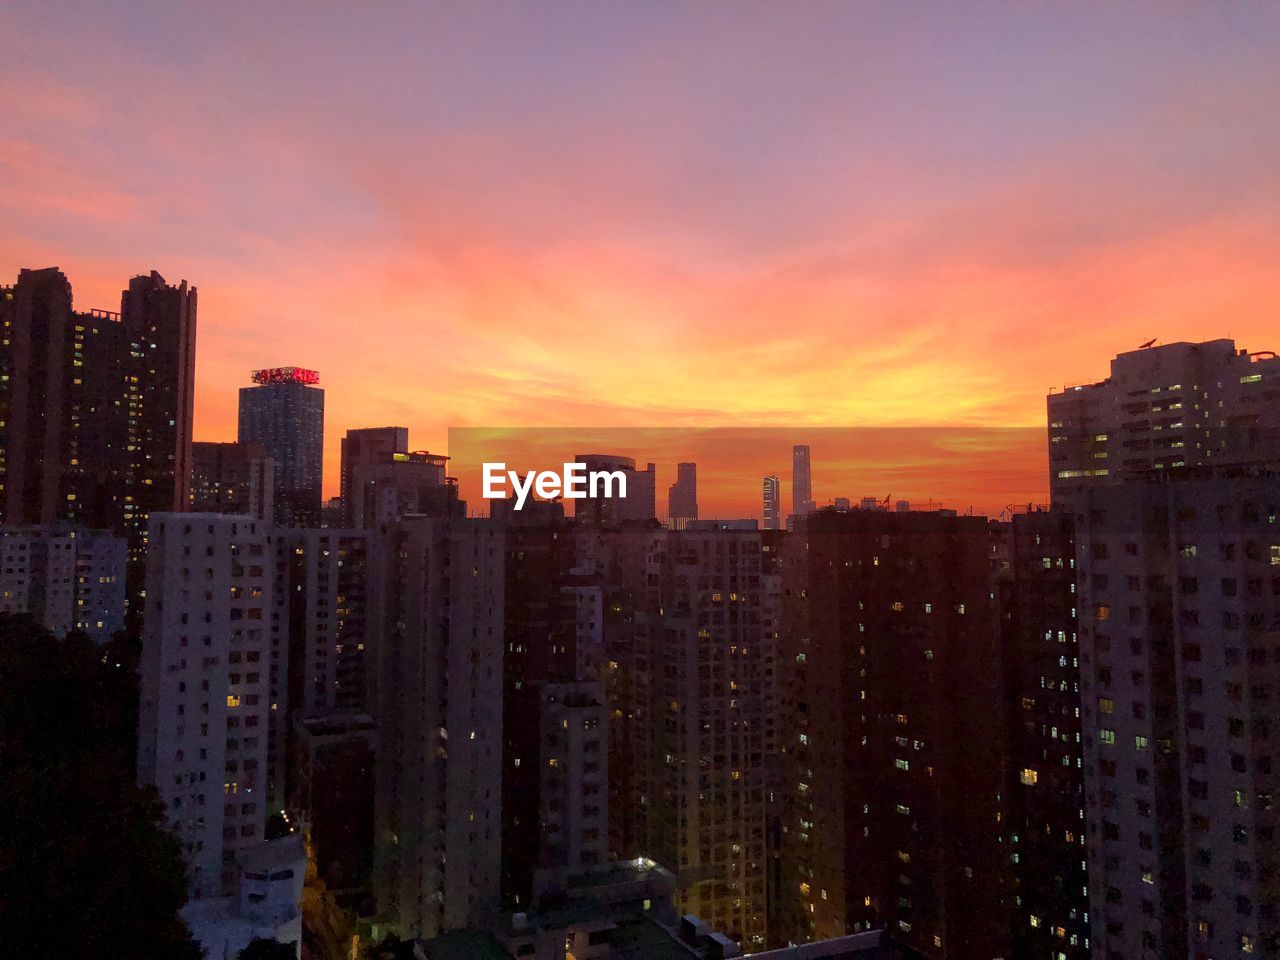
(655, 214)
(967, 469)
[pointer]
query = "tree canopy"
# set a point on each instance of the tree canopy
(86, 867)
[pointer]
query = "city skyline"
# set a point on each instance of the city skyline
(628, 481)
(848, 219)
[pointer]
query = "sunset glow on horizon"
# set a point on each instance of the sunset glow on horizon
(675, 215)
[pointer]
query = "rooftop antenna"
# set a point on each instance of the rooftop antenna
(1149, 344)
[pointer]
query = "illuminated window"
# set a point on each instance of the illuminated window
(1030, 777)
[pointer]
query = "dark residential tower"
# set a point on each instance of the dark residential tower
(891, 734)
(160, 328)
(96, 408)
(395, 485)
(1035, 570)
(284, 412)
(552, 624)
(232, 478)
(36, 358)
(367, 445)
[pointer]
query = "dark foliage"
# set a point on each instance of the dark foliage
(259, 949)
(86, 869)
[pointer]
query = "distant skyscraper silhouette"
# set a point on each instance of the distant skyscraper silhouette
(682, 498)
(801, 480)
(640, 503)
(772, 503)
(284, 412)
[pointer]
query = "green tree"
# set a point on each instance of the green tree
(86, 868)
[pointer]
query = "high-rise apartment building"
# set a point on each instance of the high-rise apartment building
(772, 503)
(37, 356)
(332, 774)
(690, 674)
(388, 486)
(1179, 579)
(1035, 570)
(573, 792)
(801, 480)
(96, 408)
(327, 606)
(438, 587)
(552, 629)
(160, 328)
(1165, 407)
(206, 696)
(682, 497)
(284, 412)
(640, 502)
(66, 578)
(892, 734)
(367, 445)
(234, 478)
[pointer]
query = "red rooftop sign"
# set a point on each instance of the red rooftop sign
(286, 375)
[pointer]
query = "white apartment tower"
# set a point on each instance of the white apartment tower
(206, 692)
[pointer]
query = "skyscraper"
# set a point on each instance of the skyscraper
(206, 697)
(284, 412)
(682, 497)
(232, 478)
(895, 803)
(772, 500)
(96, 407)
(640, 503)
(36, 355)
(1165, 407)
(801, 480)
(1179, 617)
(160, 329)
(366, 445)
(573, 792)
(1035, 553)
(438, 585)
(691, 664)
(66, 578)
(552, 623)
(330, 641)
(389, 486)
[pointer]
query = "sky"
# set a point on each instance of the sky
(655, 214)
